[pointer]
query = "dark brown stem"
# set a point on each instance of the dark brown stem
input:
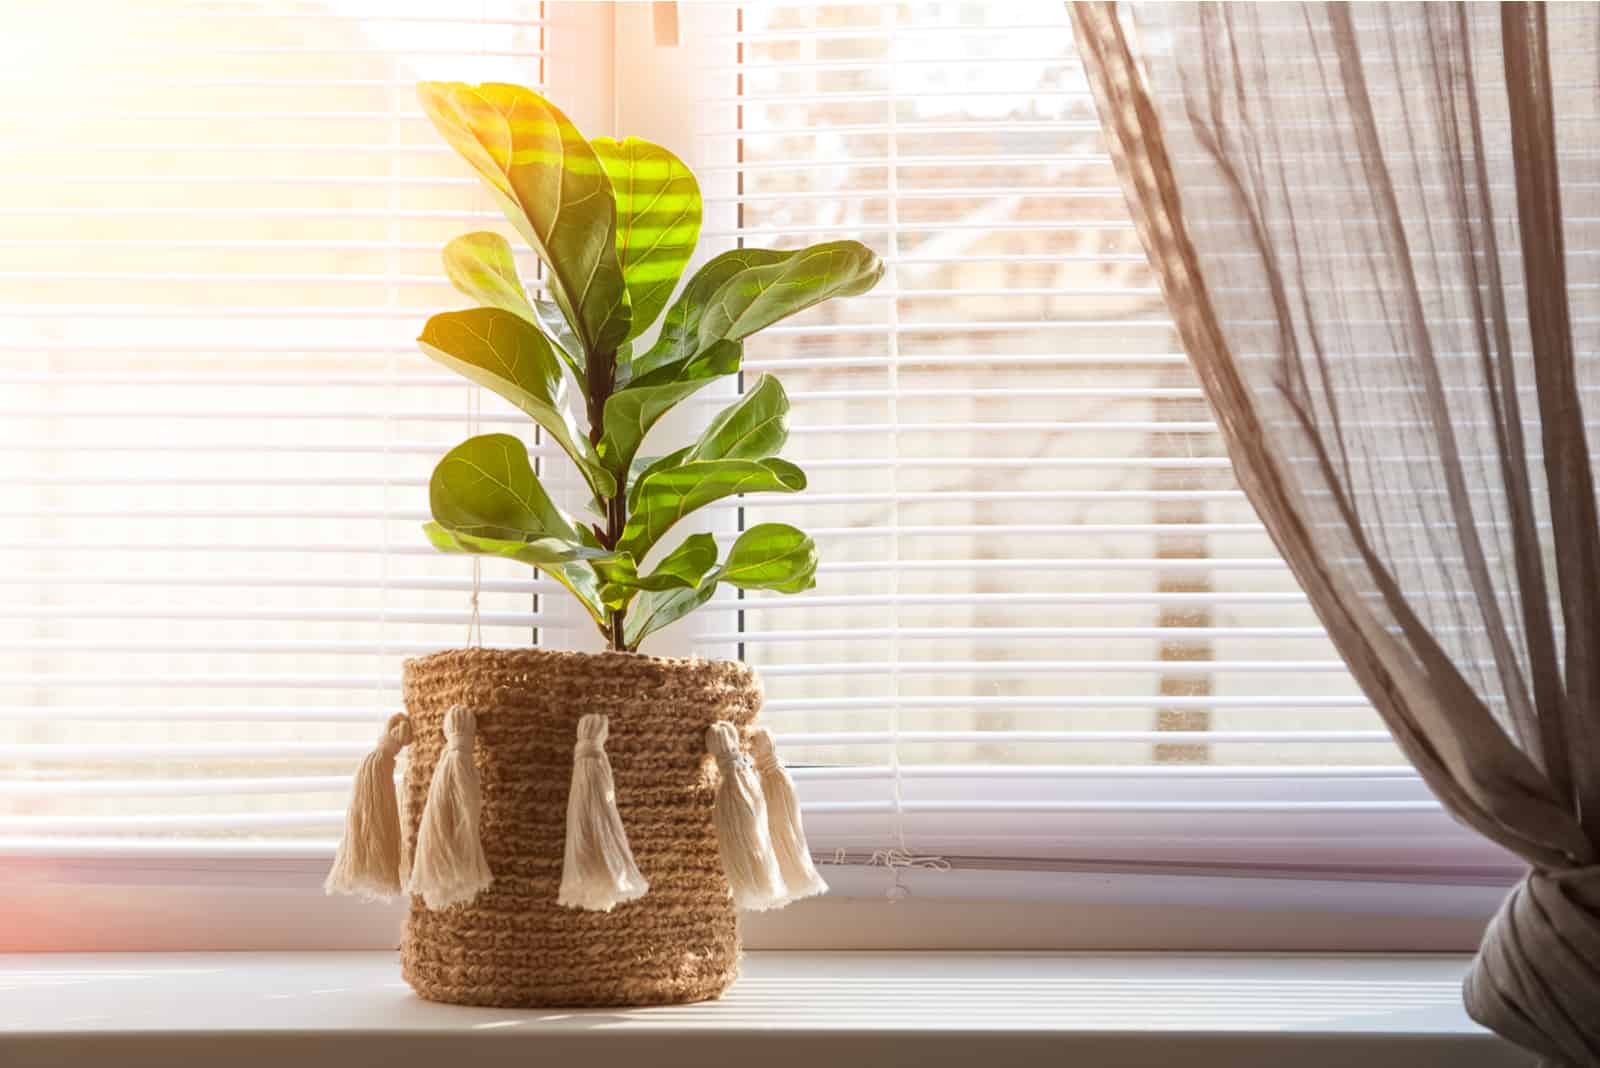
(601, 380)
(616, 519)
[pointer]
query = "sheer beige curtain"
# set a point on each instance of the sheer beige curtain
(1378, 227)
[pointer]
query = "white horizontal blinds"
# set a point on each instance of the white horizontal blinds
(1047, 622)
(219, 234)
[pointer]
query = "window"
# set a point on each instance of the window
(216, 433)
(1048, 625)
(1048, 629)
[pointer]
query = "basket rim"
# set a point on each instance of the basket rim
(573, 657)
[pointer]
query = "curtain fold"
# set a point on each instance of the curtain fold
(1378, 231)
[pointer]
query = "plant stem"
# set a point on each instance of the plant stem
(616, 519)
(601, 380)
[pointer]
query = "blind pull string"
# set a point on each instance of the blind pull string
(391, 373)
(897, 861)
(474, 399)
(474, 617)
(898, 857)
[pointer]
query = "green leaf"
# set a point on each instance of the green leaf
(668, 495)
(567, 344)
(685, 566)
(551, 186)
(740, 292)
(631, 412)
(509, 355)
(482, 266)
(680, 330)
(772, 556)
(563, 561)
(682, 568)
(641, 469)
(722, 358)
(541, 552)
(755, 299)
(658, 221)
(486, 487)
(654, 609)
(752, 428)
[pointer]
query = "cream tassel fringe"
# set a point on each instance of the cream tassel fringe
(597, 871)
(740, 815)
(368, 861)
(449, 867)
(800, 878)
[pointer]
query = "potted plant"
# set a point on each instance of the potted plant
(579, 828)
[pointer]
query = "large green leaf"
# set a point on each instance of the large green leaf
(658, 221)
(721, 358)
(555, 324)
(568, 564)
(641, 469)
(541, 552)
(683, 567)
(772, 556)
(509, 355)
(752, 428)
(551, 185)
(654, 609)
(485, 487)
(631, 412)
(745, 290)
(670, 494)
(755, 299)
(680, 330)
(482, 266)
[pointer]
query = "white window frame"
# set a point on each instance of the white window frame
(1160, 891)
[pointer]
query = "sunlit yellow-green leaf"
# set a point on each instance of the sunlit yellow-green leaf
(508, 354)
(658, 221)
(551, 186)
(482, 266)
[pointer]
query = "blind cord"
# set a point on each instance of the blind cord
(897, 890)
(474, 402)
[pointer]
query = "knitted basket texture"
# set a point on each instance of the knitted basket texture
(514, 946)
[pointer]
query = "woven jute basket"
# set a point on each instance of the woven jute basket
(513, 945)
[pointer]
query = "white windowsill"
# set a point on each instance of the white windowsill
(838, 1009)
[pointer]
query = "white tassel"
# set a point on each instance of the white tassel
(368, 861)
(448, 866)
(740, 815)
(597, 871)
(800, 878)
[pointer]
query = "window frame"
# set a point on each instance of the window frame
(611, 76)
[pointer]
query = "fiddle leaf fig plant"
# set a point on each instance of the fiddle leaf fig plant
(615, 224)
